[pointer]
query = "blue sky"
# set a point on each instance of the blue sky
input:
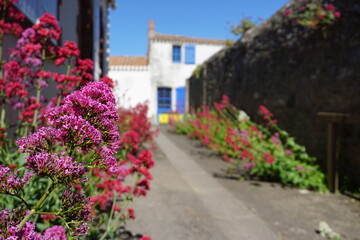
(195, 18)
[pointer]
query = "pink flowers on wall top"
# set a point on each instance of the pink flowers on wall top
(315, 14)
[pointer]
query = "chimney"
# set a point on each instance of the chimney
(151, 29)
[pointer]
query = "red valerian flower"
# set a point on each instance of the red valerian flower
(69, 50)
(48, 27)
(337, 14)
(131, 213)
(108, 81)
(287, 12)
(145, 238)
(84, 68)
(48, 217)
(31, 48)
(43, 74)
(142, 187)
(268, 158)
(330, 7)
(264, 112)
(223, 104)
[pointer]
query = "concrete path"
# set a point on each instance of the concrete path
(186, 203)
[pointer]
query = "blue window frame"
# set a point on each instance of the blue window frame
(176, 53)
(164, 100)
(190, 54)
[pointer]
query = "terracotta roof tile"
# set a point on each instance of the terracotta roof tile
(128, 61)
(177, 38)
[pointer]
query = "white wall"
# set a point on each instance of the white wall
(132, 86)
(136, 84)
(166, 73)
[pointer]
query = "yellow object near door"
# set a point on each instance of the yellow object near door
(165, 118)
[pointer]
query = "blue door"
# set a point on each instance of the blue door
(180, 99)
(164, 100)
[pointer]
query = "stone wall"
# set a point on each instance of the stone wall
(296, 72)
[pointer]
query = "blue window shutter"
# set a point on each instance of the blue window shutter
(180, 99)
(190, 54)
(176, 53)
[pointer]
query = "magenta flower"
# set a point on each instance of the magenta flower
(249, 165)
(55, 233)
(86, 123)
(40, 141)
(80, 205)
(9, 221)
(10, 181)
(299, 168)
(61, 168)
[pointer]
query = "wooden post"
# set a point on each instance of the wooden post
(331, 162)
(334, 120)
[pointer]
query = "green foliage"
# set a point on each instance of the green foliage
(262, 151)
(197, 71)
(245, 25)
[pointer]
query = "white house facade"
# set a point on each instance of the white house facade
(160, 77)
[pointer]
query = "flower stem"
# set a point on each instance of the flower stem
(68, 68)
(112, 224)
(112, 208)
(108, 227)
(38, 205)
(38, 89)
(1, 53)
(2, 117)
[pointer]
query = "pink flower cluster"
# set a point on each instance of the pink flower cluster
(8, 228)
(10, 181)
(85, 122)
(314, 14)
(75, 199)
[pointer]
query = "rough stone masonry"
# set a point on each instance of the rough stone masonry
(296, 72)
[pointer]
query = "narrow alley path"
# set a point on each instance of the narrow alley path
(192, 199)
(186, 203)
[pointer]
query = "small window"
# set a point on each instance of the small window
(190, 54)
(177, 54)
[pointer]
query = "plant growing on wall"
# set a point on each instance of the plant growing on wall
(245, 25)
(314, 14)
(250, 149)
